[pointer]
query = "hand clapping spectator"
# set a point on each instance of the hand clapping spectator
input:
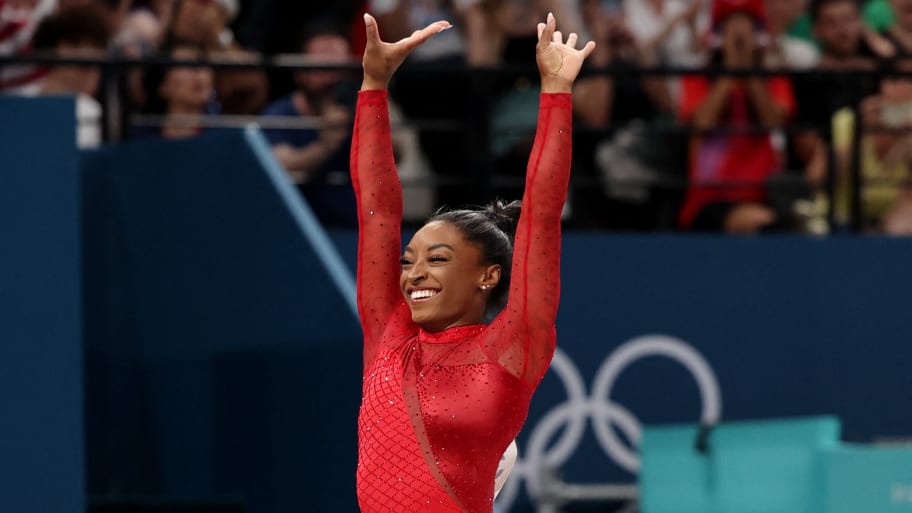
(728, 170)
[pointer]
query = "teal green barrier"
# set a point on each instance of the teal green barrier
(769, 466)
(41, 402)
(866, 479)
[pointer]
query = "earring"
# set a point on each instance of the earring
(484, 287)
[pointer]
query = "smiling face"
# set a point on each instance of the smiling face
(442, 278)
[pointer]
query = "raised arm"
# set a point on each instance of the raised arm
(377, 189)
(535, 283)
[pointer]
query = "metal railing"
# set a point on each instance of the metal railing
(484, 174)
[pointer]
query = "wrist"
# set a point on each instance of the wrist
(554, 85)
(371, 84)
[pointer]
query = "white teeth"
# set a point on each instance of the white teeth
(423, 294)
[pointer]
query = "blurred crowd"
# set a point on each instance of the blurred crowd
(815, 143)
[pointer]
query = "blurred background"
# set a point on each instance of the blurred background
(177, 324)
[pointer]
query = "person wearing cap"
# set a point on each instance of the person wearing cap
(728, 169)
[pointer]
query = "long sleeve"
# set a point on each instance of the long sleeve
(527, 323)
(379, 201)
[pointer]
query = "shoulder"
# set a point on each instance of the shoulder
(282, 107)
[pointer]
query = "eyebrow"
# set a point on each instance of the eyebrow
(408, 249)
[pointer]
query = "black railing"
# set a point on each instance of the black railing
(483, 179)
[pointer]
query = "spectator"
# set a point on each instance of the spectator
(81, 31)
(885, 157)
(846, 45)
(620, 112)
(18, 21)
(456, 154)
(317, 159)
(786, 50)
(728, 170)
(668, 30)
(179, 94)
(900, 31)
(669, 33)
(205, 22)
(511, 36)
(143, 28)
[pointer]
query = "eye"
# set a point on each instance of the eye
(437, 259)
(404, 262)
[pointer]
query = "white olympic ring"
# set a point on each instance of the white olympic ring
(573, 413)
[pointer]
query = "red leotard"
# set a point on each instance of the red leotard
(439, 409)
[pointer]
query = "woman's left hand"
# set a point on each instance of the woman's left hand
(559, 62)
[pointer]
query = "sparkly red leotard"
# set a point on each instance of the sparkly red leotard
(439, 409)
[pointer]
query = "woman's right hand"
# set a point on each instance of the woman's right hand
(381, 59)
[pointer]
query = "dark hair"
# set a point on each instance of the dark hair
(491, 228)
(320, 28)
(154, 73)
(817, 5)
(76, 24)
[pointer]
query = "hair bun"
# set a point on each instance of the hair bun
(504, 215)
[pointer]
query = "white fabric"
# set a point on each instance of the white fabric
(646, 24)
(88, 122)
(505, 466)
(793, 53)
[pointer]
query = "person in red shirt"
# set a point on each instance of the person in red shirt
(728, 170)
(444, 393)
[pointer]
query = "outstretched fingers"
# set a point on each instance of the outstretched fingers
(590, 46)
(546, 31)
(371, 30)
(422, 35)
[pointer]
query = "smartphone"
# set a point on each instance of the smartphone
(897, 114)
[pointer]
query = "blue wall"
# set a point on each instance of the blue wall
(41, 422)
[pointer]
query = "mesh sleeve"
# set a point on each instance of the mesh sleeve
(379, 201)
(525, 329)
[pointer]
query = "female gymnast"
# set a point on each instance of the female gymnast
(444, 393)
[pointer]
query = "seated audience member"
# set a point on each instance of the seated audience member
(179, 94)
(452, 152)
(317, 159)
(141, 34)
(80, 31)
(618, 113)
(18, 21)
(669, 33)
(885, 157)
(846, 46)
(728, 171)
(900, 31)
(206, 23)
(785, 50)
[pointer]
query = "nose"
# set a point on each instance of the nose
(417, 272)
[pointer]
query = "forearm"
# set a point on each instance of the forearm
(379, 201)
(483, 40)
(548, 171)
(306, 160)
(708, 113)
(769, 113)
(373, 168)
(535, 282)
(592, 100)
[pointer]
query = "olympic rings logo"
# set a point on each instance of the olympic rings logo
(574, 413)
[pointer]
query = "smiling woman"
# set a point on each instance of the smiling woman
(444, 393)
